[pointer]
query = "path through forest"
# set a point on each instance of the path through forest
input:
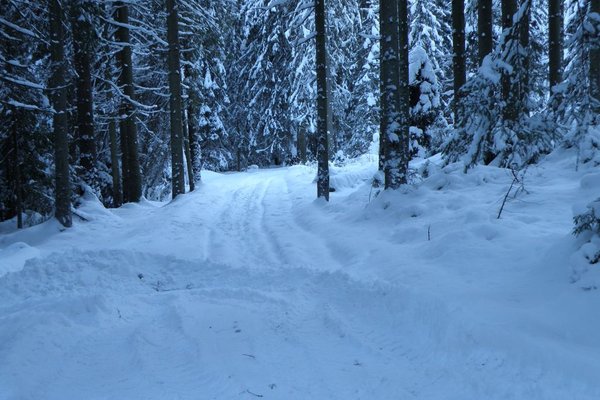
(249, 288)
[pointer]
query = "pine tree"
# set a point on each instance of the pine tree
(555, 34)
(576, 93)
(175, 102)
(57, 87)
(485, 36)
(458, 50)
(131, 174)
(26, 147)
(83, 52)
(322, 101)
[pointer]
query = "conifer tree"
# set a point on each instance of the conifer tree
(58, 95)
(175, 99)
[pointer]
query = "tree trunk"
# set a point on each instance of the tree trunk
(510, 98)
(484, 28)
(458, 54)
(394, 71)
(58, 97)
(82, 59)
(177, 172)
(382, 114)
(525, 61)
(595, 64)
(555, 33)
(132, 179)
(322, 102)
(403, 145)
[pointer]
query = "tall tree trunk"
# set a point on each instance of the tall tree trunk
(58, 98)
(484, 28)
(510, 98)
(177, 171)
(82, 57)
(555, 33)
(132, 179)
(595, 64)
(322, 102)
(524, 58)
(393, 21)
(382, 114)
(458, 52)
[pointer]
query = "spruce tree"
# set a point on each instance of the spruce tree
(175, 99)
(58, 96)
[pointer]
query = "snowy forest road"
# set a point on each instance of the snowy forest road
(248, 287)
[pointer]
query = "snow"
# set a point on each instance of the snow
(250, 288)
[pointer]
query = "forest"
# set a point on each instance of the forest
(133, 99)
(397, 197)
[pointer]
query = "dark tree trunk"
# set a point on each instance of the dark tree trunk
(394, 70)
(382, 113)
(132, 179)
(58, 98)
(458, 53)
(525, 60)
(555, 33)
(509, 95)
(484, 28)
(177, 172)
(595, 65)
(82, 57)
(322, 102)
(403, 144)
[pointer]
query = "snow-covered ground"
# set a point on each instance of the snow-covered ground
(250, 288)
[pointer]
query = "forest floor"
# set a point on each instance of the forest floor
(249, 288)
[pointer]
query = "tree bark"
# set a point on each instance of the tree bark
(58, 98)
(394, 70)
(555, 33)
(322, 103)
(525, 61)
(595, 64)
(82, 57)
(382, 116)
(458, 52)
(177, 170)
(510, 98)
(132, 179)
(484, 28)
